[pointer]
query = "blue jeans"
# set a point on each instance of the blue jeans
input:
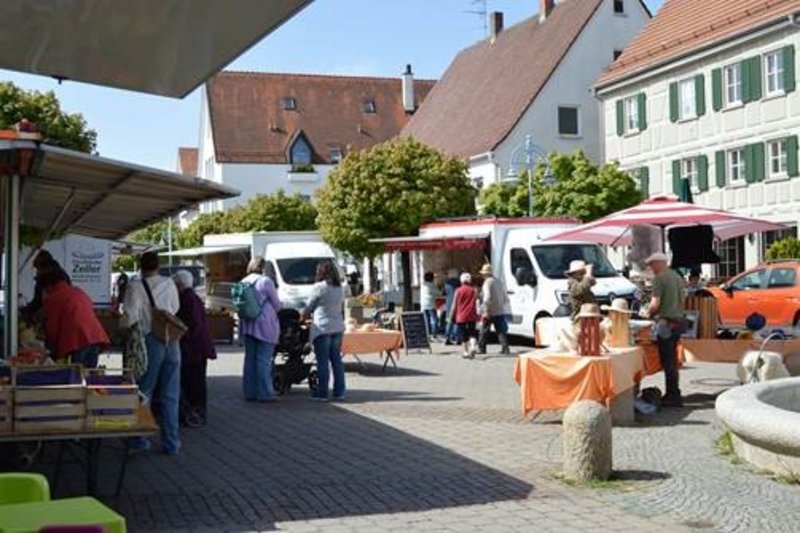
(86, 356)
(164, 369)
(328, 349)
(257, 374)
(433, 321)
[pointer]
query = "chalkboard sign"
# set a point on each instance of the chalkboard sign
(415, 331)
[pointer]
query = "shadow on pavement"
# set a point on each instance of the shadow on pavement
(678, 416)
(366, 368)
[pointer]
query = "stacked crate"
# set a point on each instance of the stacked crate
(49, 398)
(112, 399)
(6, 400)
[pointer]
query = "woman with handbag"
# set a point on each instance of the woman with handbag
(150, 306)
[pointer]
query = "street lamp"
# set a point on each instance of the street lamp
(533, 156)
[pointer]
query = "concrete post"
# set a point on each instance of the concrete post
(586, 442)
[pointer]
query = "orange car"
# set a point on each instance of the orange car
(772, 289)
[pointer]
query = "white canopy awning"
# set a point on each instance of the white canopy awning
(206, 250)
(165, 47)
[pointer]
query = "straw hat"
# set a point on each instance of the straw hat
(576, 266)
(589, 311)
(486, 270)
(619, 305)
(658, 256)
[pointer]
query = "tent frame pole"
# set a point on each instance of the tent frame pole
(11, 265)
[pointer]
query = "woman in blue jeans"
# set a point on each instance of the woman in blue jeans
(260, 335)
(327, 307)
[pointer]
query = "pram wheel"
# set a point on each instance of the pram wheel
(313, 380)
(279, 384)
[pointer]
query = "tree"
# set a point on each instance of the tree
(390, 190)
(788, 248)
(580, 189)
(276, 212)
(155, 233)
(204, 224)
(68, 130)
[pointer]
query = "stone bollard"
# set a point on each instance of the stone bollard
(586, 442)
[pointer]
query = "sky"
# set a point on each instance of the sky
(347, 37)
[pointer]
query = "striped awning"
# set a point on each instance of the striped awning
(664, 212)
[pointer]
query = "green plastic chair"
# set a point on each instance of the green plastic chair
(23, 487)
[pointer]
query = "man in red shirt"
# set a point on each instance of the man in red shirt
(464, 312)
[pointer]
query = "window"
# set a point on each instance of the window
(731, 255)
(773, 72)
(689, 171)
(568, 120)
(289, 103)
(520, 261)
(782, 278)
(335, 155)
(619, 6)
(753, 280)
(733, 84)
(631, 114)
(300, 154)
(368, 106)
(736, 167)
(687, 99)
(768, 238)
(301, 270)
(554, 259)
(617, 53)
(778, 160)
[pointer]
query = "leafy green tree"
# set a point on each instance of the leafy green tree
(579, 189)
(204, 224)
(788, 248)
(276, 212)
(68, 130)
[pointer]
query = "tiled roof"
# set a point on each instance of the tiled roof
(488, 86)
(685, 26)
(250, 124)
(187, 159)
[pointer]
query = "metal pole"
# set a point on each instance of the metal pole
(169, 238)
(529, 165)
(11, 265)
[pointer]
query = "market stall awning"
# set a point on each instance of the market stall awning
(206, 250)
(165, 47)
(407, 244)
(74, 192)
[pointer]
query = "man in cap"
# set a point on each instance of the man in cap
(580, 286)
(495, 309)
(666, 306)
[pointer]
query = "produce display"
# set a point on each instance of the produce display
(369, 299)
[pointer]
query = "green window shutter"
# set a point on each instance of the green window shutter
(620, 118)
(755, 78)
(791, 156)
(642, 105)
(700, 94)
(644, 181)
(719, 163)
(676, 177)
(753, 163)
(716, 88)
(745, 73)
(789, 81)
(673, 102)
(759, 164)
(702, 172)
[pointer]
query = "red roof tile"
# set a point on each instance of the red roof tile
(187, 160)
(250, 124)
(685, 26)
(488, 86)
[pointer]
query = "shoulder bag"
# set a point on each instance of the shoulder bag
(165, 326)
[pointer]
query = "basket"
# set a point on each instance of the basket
(112, 399)
(48, 398)
(6, 400)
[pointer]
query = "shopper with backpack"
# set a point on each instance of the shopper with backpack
(257, 305)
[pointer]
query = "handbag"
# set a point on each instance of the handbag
(134, 351)
(165, 326)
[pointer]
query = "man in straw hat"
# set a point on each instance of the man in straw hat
(495, 309)
(580, 286)
(666, 307)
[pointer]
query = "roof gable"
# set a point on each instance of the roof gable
(683, 27)
(251, 125)
(489, 86)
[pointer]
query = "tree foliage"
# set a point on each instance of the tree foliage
(68, 130)
(788, 248)
(579, 189)
(390, 190)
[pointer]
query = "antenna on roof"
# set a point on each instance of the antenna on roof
(481, 9)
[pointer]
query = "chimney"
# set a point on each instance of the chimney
(545, 8)
(408, 90)
(495, 24)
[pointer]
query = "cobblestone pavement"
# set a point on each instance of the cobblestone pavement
(439, 445)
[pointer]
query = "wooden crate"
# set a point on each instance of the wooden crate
(222, 327)
(112, 399)
(49, 398)
(706, 306)
(6, 400)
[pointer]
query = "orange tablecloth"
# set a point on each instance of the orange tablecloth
(377, 342)
(554, 381)
(731, 351)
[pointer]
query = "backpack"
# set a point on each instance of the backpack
(245, 300)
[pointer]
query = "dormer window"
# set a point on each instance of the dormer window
(368, 106)
(300, 152)
(289, 103)
(335, 155)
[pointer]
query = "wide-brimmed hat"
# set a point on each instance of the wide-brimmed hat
(486, 270)
(589, 311)
(658, 256)
(618, 305)
(575, 266)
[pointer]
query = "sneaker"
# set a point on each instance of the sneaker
(338, 398)
(448, 342)
(318, 399)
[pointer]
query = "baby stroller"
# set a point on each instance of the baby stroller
(290, 355)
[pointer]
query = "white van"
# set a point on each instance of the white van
(293, 266)
(531, 268)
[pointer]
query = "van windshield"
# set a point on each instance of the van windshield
(554, 259)
(300, 270)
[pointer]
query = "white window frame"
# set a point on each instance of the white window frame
(726, 85)
(777, 75)
(689, 112)
(736, 169)
(631, 114)
(782, 159)
(577, 109)
(689, 172)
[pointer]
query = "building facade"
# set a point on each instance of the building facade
(707, 95)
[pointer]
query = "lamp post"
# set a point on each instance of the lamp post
(533, 156)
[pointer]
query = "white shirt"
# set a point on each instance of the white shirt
(137, 304)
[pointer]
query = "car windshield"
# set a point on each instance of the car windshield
(554, 259)
(198, 273)
(300, 270)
